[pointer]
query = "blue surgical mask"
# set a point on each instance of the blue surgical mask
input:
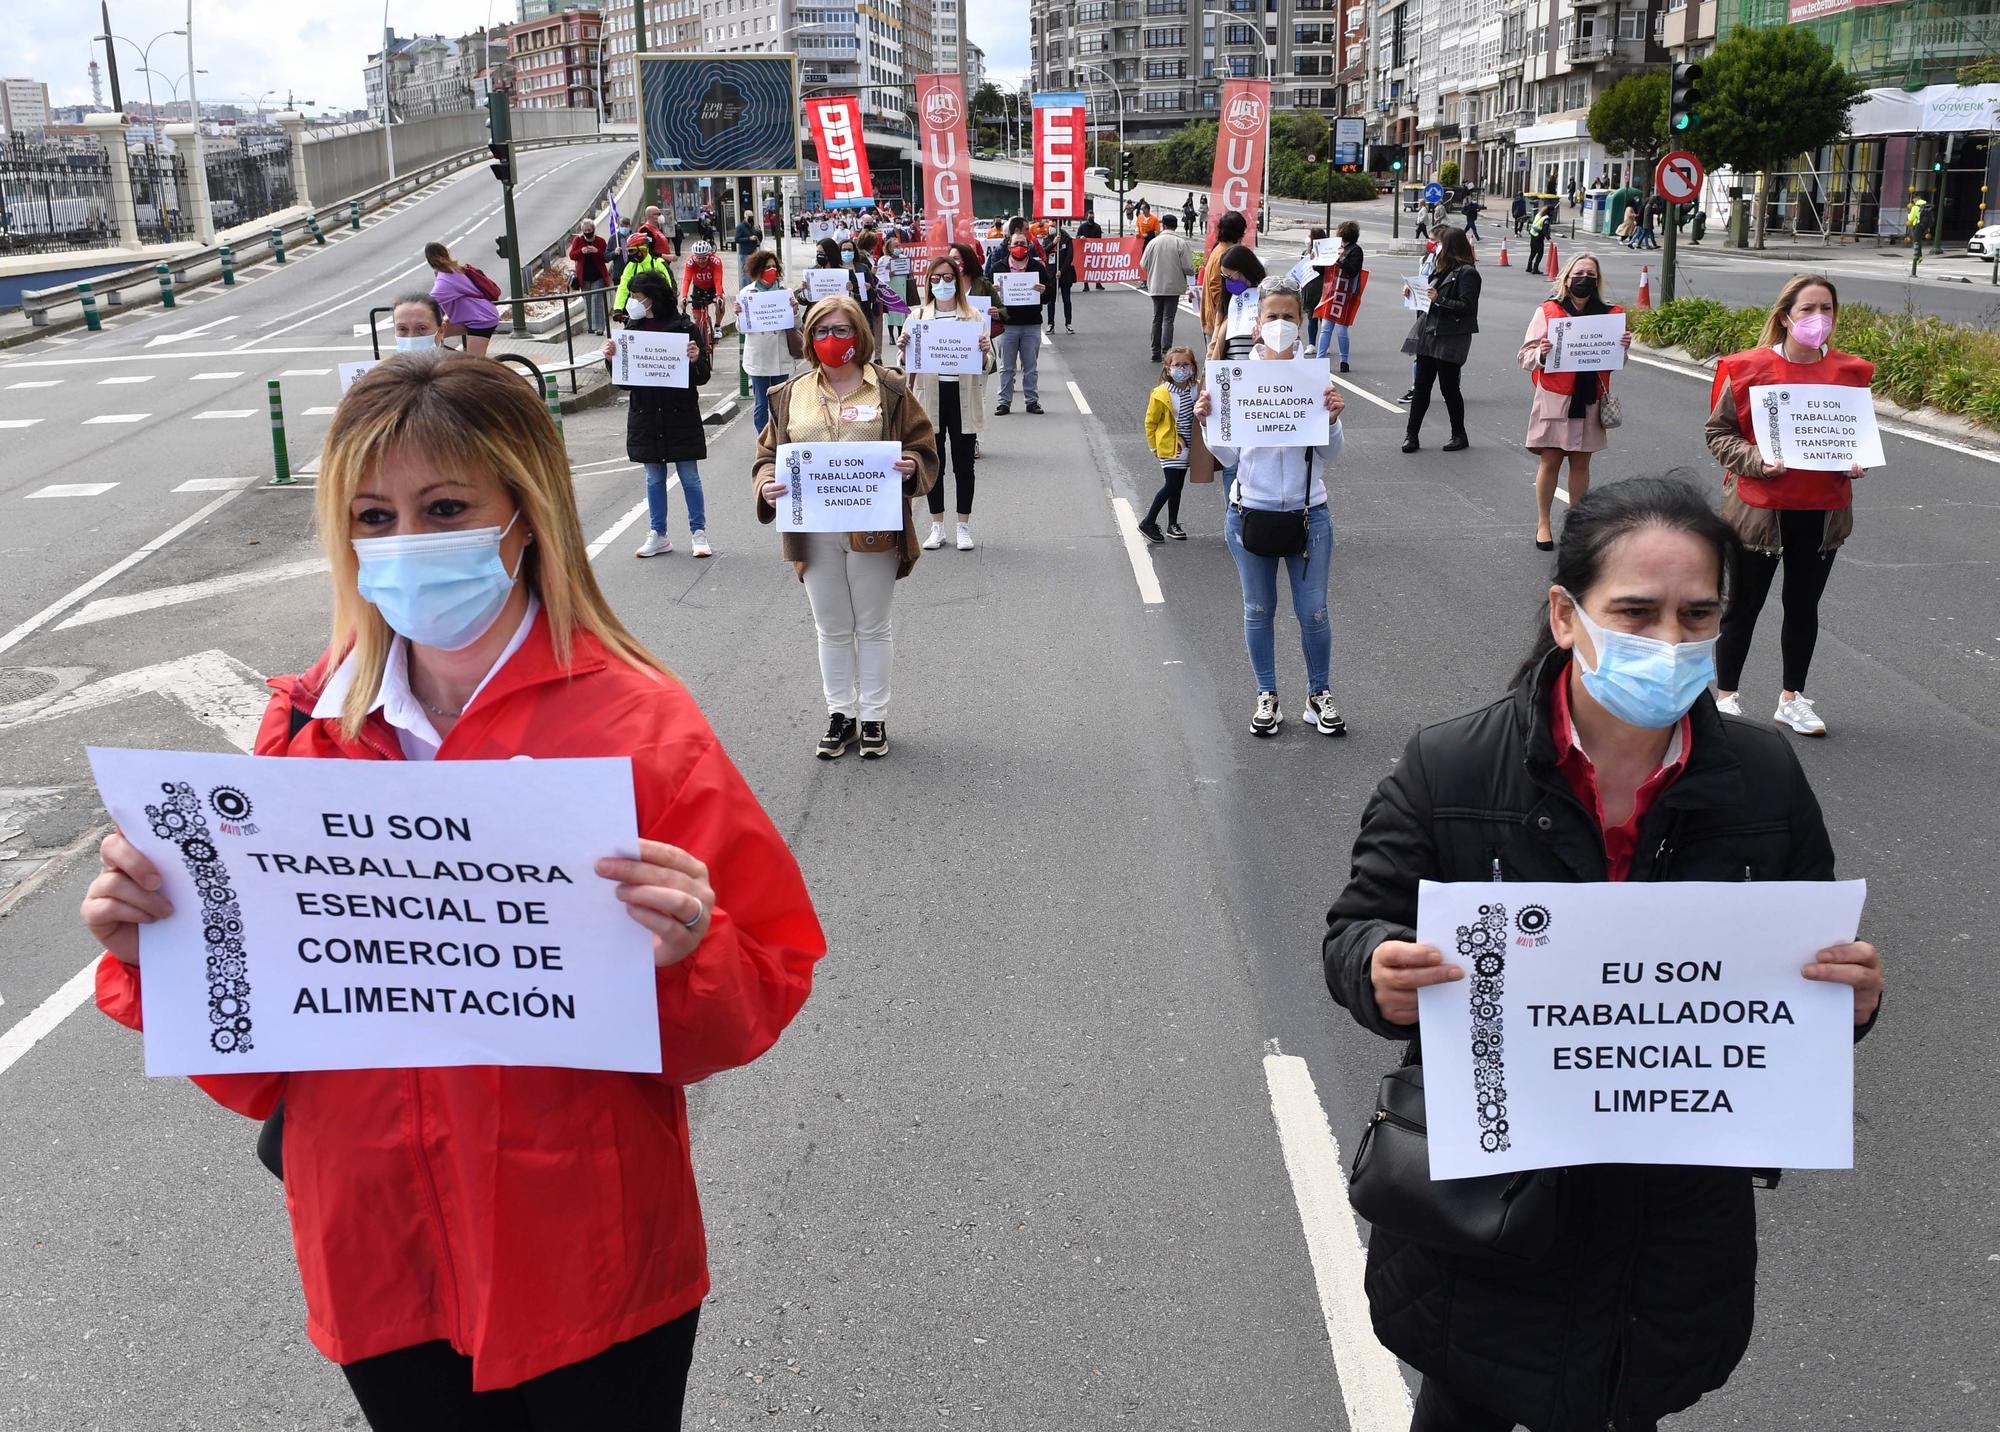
(944, 290)
(415, 343)
(442, 590)
(1641, 680)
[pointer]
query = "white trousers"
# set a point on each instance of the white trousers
(850, 593)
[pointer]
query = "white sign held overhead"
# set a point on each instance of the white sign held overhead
(650, 360)
(840, 487)
(1637, 1022)
(380, 915)
(1586, 345)
(1820, 427)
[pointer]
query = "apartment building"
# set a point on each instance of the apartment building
(556, 60)
(24, 106)
(432, 74)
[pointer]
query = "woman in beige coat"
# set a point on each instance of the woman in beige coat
(956, 402)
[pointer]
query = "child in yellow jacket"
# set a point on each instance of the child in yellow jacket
(1171, 433)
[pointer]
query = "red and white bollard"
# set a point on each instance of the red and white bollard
(1645, 286)
(1503, 251)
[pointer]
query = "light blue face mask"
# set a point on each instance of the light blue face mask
(1641, 680)
(442, 590)
(416, 343)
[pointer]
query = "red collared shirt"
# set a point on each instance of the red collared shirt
(1620, 841)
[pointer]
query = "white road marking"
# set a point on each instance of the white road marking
(72, 489)
(108, 608)
(47, 1015)
(318, 412)
(69, 599)
(601, 462)
(1077, 393)
(1360, 391)
(305, 372)
(158, 357)
(37, 383)
(1371, 1384)
(215, 413)
(612, 532)
(214, 484)
(127, 378)
(1135, 549)
(186, 333)
(218, 377)
(18, 422)
(116, 418)
(218, 690)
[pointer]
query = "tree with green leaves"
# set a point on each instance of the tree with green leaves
(1630, 117)
(1768, 96)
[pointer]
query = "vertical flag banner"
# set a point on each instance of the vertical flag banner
(1239, 153)
(836, 131)
(947, 156)
(1060, 118)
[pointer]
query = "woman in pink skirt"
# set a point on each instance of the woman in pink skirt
(1563, 420)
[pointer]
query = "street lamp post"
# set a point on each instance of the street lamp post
(1263, 44)
(389, 92)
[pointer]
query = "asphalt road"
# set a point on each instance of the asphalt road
(1016, 1165)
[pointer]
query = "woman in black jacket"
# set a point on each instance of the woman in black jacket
(1441, 338)
(1645, 1303)
(663, 425)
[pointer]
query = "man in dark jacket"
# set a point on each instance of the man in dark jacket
(1090, 229)
(1021, 341)
(1519, 210)
(1646, 1302)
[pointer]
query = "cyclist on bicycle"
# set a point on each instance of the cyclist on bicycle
(701, 281)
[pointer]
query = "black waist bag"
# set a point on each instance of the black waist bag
(1508, 1215)
(1278, 534)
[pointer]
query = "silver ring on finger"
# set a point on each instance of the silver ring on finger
(700, 914)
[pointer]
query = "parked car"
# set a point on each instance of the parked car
(1098, 171)
(1985, 244)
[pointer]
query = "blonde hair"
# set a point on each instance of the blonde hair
(1774, 328)
(471, 416)
(1561, 285)
(843, 306)
(963, 307)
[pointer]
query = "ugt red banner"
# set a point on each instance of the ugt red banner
(1060, 119)
(1239, 153)
(947, 160)
(836, 131)
(1110, 261)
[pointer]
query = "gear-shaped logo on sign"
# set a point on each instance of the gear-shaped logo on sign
(1533, 919)
(229, 803)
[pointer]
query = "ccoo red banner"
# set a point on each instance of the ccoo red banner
(947, 160)
(836, 131)
(1109, 261)
(1239, 154)
(1060, 120)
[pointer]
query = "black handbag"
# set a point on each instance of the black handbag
(1278, 534)
(1507, 1215)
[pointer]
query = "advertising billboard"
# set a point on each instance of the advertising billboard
(719, 114)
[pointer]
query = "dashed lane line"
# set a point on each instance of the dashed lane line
(47, 1015)
(1135, 551)
(212, 484)
(127, 378)
(116, 418)
(35, 383)
(215, 414)
(71, 489)
(18, 422)
(1077, 393)
(216, 377)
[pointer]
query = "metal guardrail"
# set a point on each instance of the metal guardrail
(560, 248)
(513, 304)
(37, 303)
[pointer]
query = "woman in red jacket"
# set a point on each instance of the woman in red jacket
(1786, 517)
(505, 1246)
(1563, 420)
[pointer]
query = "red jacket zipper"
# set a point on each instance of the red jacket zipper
(455, 1311)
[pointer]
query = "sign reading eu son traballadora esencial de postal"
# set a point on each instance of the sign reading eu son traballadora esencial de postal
(385, 914)
(1637, 1022)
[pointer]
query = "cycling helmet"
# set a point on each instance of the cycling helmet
(703, 249)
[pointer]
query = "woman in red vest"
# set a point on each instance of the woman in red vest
(1564, 421)
(1785, 516)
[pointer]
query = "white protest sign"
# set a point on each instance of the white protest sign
(1325, 252)
(350, 371)
(982, 302)
(1820, 427)
(818, 230)
(385, 914)
(769, 312)
(840, 487)
(1301, 273)
(1586, 345)
(1242, 316)
(650, 360)
(943, 345)
(1419, 296)
(1267, 403)
(827, 283)
(1637, 1022)
(899, 265)
(1017, 290)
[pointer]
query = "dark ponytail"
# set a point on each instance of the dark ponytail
(1616, 510)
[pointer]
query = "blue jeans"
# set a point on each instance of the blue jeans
(1329, 331)
(656, 495)
(760, 399)
(1022, 341)
(1309, 574)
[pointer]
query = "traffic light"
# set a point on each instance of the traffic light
(500, 247)
(1396, 160)
(1127, 172)
(503, 165)
(499, 135)
(1684, 99)
(1937, 166)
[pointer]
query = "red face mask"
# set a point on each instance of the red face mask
(1020, 251)
(834, 352)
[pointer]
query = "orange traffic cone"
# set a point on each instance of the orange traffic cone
(1554, 265)
(1503, 251)
(1646, 286)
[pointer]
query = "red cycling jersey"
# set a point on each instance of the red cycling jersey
(702, 276)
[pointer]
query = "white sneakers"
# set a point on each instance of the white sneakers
(1267, 718)
(1321, 714)
(698, 545)
(965, 537)
(1798, 713)
(936, 538)
(657, 544)
(1730, 705)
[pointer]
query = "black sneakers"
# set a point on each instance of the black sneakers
(874, 740)
(1176, 531)
(1001, 411)
(840, 732)
(1151, 532)
(1033, 406)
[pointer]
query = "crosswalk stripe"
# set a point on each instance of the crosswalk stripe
(18, 422)
(127, 378)
(214, 484)
(117, 418)
(73, 489)
(214, 377)
(38, 383)
(225, 413)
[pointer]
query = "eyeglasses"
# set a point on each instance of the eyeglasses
(834, 330)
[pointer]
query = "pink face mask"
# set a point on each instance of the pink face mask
(1813, 330)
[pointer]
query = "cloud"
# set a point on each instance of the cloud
(248, 47)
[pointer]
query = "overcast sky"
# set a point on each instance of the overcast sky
(316, 49)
